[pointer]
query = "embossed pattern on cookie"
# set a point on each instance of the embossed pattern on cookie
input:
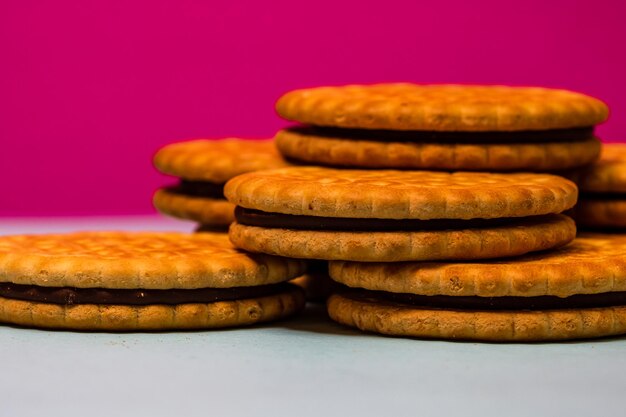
(441, 107)
(141, 281)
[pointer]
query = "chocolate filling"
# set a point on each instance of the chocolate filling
(445, 302)
(211, 229)
(250, 217)
(139, 297)
(198, 189)
(514, 137)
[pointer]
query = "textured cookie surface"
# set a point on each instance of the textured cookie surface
(387, 194)
(207, 211)
(217, 160)
(591, 264)
(608, 174)
(337, 151)
(441, 107)
(152, 317)
(529, 235)
(400, 320)
(137, 260)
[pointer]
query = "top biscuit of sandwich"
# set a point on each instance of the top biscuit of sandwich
(147, 260)
(405, 106)
(591, 264)
(608, 174)
(387, 194)
(217, 161)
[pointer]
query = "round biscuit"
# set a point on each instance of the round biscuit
(337, 151)
(387, 194)
(405, 106)
(591, 264)
(152, 317)
(601, 214)
(217, 161)
(527, 236)
(607, 175)
(149, 260)
(209, 212)
(393, 319)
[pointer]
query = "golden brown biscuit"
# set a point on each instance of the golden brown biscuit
(605, 214)
(387, 194)
(578, 291)
(153, 317)
(607, 175)
(204, 166)
(310, 147)
(524, 236)
(150, 260)
(591, 264)
(372, 315)
(321, 213)
(217, 161)
(128, 281)
(441, 107)
(602, 203)
(210, 212)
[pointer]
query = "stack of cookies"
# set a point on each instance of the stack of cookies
(203, 167)
(389, 223)
(578, 291)
(441, 127)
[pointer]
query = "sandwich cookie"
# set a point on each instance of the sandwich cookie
(602, 203)
(116, 281)
(578, 291)
(203, 167)
(388, 216)
(441, 127)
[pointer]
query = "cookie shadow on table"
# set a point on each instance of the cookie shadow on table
(314, 319)
(605, 339)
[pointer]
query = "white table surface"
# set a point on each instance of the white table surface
(307, 366)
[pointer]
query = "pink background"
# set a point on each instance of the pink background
(90, 89)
